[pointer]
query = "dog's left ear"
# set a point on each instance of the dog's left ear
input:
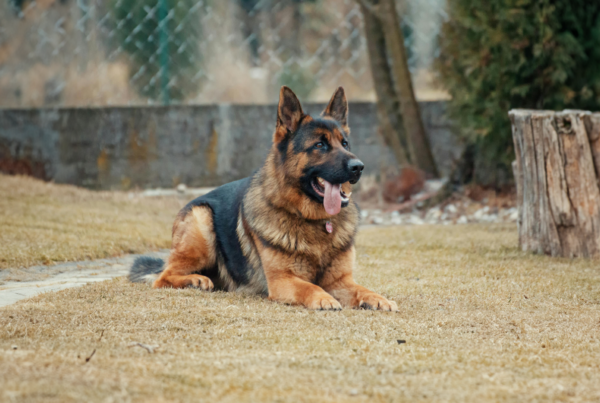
(338, 107)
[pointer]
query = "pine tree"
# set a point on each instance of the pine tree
(496, 55)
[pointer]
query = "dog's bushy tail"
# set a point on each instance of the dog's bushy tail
(146, 269)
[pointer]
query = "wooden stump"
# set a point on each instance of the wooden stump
(557, 174)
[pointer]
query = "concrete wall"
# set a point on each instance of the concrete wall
(120, 148)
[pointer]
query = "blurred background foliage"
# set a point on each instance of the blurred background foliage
(160, 37)
(496, 55)
(487, 57)
(118, 52)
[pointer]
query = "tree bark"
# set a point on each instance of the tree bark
(592, 126)
(388, 112)
(558, 193)
(418, 143)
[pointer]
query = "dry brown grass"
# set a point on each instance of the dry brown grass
(482, 322)
(42, 223)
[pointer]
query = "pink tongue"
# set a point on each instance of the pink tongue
(332, 200)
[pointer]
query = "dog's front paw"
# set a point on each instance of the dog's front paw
(323, 301)
(202, 282)
(377, 302)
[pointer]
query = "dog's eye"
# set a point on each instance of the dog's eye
(345, 144)
(320, 145)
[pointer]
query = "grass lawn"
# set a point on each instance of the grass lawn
(482, 322)
(42, 223)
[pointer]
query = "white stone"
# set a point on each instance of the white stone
(489, 218)
(450, 208)
(413, 219)
(479, 214)
(462, 220)
(396, 220)
(433, 185)
(433, 214)
(514, 215)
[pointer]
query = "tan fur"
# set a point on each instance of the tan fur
(289, 114)
(291, 280)
(281, 231)
(338, 282)
(332, 112)
(193, 249)
(226, 281)
(257, 283)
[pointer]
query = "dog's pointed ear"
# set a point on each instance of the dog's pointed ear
(338, 107)
(289, 114)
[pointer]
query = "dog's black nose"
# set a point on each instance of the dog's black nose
(356, 166)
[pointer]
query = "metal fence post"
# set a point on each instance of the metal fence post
(163, 11)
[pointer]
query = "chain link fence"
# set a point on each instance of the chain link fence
(137, 52)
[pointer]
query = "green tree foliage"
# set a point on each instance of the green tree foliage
(300, 79)
(496, 55)
(161, 38)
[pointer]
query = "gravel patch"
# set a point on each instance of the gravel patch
(447, 215)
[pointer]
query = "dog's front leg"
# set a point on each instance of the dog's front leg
(338, 281)
(287, 280)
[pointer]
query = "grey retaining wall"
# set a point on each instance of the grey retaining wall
(123, 147)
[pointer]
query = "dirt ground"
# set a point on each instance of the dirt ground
(42, 223)
(479, 321)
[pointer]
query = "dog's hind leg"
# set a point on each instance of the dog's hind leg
(193, 250)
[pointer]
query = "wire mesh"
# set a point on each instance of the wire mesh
(136, 52)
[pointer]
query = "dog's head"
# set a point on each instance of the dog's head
(315, 153)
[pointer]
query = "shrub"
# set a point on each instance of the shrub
(496, 55)
(300, 79)
(164, 57)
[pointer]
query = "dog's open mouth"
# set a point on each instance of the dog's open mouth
(333, 195)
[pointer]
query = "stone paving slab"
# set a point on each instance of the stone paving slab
(18, 284)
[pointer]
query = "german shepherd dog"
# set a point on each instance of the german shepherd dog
(287, 231)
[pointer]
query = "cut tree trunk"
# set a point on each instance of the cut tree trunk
(558, 188)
